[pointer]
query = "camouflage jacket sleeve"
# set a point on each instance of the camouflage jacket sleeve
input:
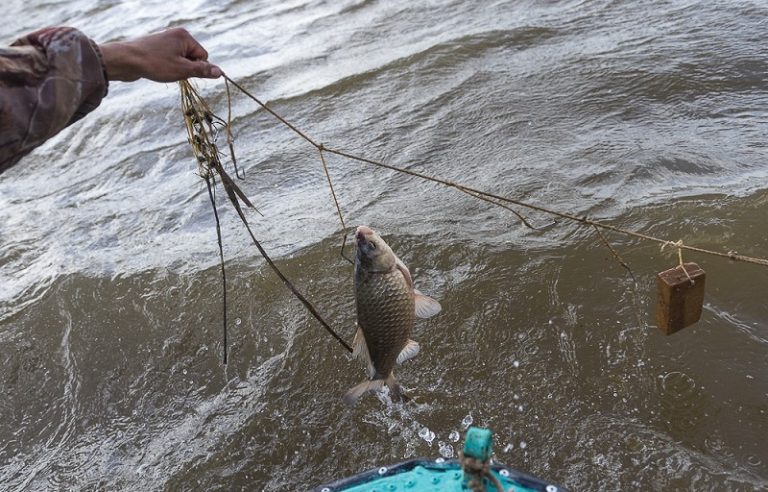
(48, 80)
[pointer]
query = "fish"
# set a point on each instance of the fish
(387, 305)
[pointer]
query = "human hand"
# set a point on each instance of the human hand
(168, 56)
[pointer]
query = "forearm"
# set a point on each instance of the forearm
(53, 77)
(121, 61)
(48, 80)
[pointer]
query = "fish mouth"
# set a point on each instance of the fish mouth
(362, 233)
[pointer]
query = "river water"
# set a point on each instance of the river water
(649, 115)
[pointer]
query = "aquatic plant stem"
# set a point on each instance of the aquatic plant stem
(200, 123)
(208, 180)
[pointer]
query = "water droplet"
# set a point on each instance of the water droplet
(519, 408)
(516, 363)
(439, 460)
(446, 450)
(427, 435)
(508, 447)
(466, 422)
(184, 372)
(454, 436)
(523, 444)
(677, 383)
(238, 321)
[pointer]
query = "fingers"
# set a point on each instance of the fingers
(194, 51)
(191, 49)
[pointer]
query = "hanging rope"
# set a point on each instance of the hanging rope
(478, 470)
(202, 128)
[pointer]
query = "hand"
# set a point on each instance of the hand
(168, 56)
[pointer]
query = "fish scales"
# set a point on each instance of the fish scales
(385, 313)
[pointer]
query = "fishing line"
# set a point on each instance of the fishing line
(336, 202)
(732, 255)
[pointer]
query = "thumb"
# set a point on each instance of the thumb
(203, 69)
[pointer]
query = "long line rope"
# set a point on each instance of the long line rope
(493, 198)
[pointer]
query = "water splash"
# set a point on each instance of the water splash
(446, 450)
(427, 435)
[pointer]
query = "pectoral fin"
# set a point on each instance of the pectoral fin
(411, 349)
(426, 307)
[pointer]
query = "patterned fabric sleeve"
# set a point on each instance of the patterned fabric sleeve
(48, 80)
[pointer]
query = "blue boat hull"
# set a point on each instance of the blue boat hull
(420, 475)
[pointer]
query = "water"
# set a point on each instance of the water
(649, 115)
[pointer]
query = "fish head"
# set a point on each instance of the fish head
(372, 252)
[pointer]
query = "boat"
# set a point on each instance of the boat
(474, 471)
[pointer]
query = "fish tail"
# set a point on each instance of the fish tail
(395, 390)
(355, 393)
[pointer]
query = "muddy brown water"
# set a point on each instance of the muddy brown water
(648, 115)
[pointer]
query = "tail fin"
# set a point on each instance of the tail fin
(355, 393)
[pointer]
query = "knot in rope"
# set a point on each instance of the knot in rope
(679, 245)
(478, 470)
(675, 244)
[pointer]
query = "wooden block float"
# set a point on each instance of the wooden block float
(680, 299)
